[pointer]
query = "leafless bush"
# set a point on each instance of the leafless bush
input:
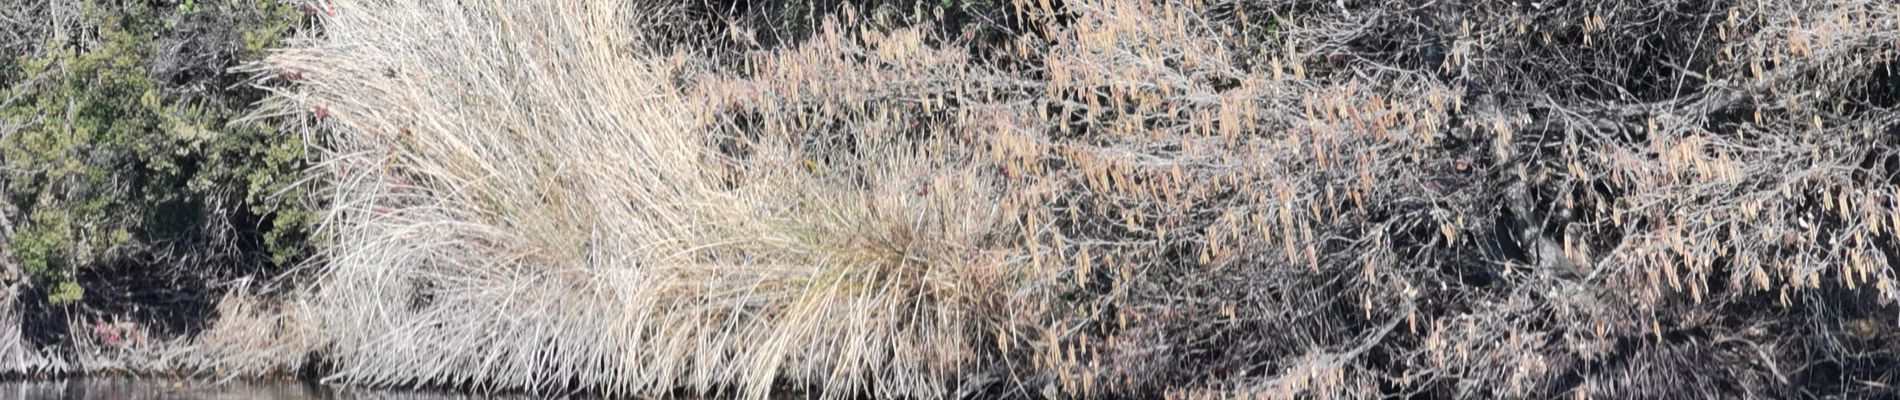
(1496, 199)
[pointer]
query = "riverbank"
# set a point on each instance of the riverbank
(1043, 199)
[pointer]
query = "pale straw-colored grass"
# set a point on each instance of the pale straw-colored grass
(524, 201)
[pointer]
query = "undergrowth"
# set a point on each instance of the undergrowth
(1098, 199)
(127, 146)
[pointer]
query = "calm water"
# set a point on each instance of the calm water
(164, 389)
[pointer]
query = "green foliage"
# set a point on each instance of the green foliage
(66, 292)
(123, 151)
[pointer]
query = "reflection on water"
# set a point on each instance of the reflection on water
(165, 389)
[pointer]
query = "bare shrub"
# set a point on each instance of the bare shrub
(1462, 199)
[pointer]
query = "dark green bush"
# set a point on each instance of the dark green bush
(127, 150)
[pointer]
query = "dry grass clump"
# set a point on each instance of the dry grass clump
(1133, 198)
(525, 201)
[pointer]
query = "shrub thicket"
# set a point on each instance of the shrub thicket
(1474, 199)
(127, 154)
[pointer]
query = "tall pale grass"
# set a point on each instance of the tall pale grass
(524, 200)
